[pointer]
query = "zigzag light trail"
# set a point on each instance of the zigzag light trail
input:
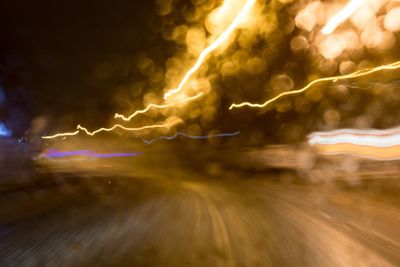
(60, 135)
(85, 130)
(356, 74)
(130, 117)
(214, 45)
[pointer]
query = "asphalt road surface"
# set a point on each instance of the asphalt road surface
(173, 208)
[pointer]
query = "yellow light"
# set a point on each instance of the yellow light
(214, 45)
(85, 130)
(342, 16)
(360, 73)
(123, 127)
(60, 135)
(209, 49)
(157, 106)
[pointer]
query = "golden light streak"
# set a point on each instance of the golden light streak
(86, 131)
(369, 152)
(60, 135)
(156, 106)
(214, 45)
(359, 73)
(342, 16)
(123, 127)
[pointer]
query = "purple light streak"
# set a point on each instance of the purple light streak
(54, 153)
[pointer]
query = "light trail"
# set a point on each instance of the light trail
(371, 144)
(356, 74)
(190, 136)
(60, 135)
(54, 153)
(209, 49)
(366, 152)
(116, 126)
(376, 138)
(373, 132)
(214, 45)
(342, 16)
(156, 106)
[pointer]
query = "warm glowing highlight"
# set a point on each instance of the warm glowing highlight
(376, 138)
(372, 144)
(60, 135)
(214, 45)
(209, 49)
(342, 16)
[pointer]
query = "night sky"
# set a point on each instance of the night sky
(60, 58)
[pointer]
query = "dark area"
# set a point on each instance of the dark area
(54, 53)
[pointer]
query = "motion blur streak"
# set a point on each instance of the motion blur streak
(191, 136)
(372, 144)
(368, 152)
(356, 74)
(80, 128)
(214, 45)
(357, 138)
(374, 132)
(124, 128)
(60, 135)
(54, 153)
(156, 106)
(342, 16)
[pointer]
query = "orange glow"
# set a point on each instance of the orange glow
(213, 46)
(203, 55)
(371, 152)
(342, 16)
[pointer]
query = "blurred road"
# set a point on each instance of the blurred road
(144, 211)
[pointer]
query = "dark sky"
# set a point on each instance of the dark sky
(52, 54)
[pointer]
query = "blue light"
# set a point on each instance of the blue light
(4, 131)
(190, 136)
